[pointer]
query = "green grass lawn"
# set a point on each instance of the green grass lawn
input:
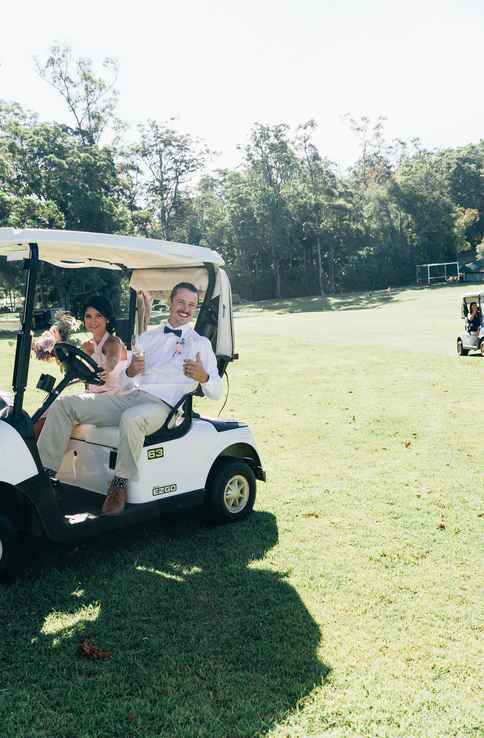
(347, 606)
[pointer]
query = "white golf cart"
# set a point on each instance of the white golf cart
(471, 340)
(190, 461)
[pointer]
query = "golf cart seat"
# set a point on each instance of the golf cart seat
(177, 423)
(108, 436)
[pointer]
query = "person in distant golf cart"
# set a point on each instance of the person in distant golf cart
(474, 318)
(167, 363)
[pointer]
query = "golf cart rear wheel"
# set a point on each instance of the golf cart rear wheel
(460, 348)
(9, 546)
(230, 489)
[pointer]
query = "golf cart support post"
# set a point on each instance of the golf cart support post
(24, 336)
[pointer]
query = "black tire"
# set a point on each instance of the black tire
(461, 351)
(9, 547)
(230, 491)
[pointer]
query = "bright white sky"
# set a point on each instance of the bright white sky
(220, 65)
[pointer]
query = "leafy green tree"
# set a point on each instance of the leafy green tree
(284, 220)
(465, 221)
(90, 98)
(168, 161)
(421, 193)
(272, 164)
(49, 179)
(463, 172)
(317, 188)
(80, 181)
(374, 164)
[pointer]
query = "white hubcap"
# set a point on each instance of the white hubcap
(236, 494)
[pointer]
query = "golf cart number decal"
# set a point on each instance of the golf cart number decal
(164, 490)
(155, 453)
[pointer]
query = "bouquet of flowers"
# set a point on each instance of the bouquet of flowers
(64, 324)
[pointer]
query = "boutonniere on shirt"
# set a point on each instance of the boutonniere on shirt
(179, 346)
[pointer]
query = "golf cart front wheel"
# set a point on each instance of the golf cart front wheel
(230, 491)
(461, 351)
(9, 546)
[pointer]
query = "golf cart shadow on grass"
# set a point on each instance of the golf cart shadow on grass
(205, 641)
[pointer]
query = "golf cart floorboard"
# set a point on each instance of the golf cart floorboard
(73, 500)
(80, 506)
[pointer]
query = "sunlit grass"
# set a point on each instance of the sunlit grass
(57, 622)
(347, 606)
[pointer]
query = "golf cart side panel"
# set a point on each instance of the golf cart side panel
(470, 340)
(17, 463)
(164, 465)
(166, 469)
(183, 464)
(175, 467)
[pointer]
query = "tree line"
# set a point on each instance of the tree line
(286, 221)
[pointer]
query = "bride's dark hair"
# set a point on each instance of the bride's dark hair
(103, 306)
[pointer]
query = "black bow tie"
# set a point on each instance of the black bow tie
(172, 330)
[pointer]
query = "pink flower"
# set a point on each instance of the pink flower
(44, 346)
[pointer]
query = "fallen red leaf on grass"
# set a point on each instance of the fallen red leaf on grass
(90, 651)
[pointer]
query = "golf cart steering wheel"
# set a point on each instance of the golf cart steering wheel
(77, 363)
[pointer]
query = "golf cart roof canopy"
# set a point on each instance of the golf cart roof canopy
(77, 249)
(473, 297)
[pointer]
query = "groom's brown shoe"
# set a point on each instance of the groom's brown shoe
(115, 500)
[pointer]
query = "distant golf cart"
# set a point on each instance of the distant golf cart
(190, 461)
(471, 340)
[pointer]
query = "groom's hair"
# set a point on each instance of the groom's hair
(183, 286)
